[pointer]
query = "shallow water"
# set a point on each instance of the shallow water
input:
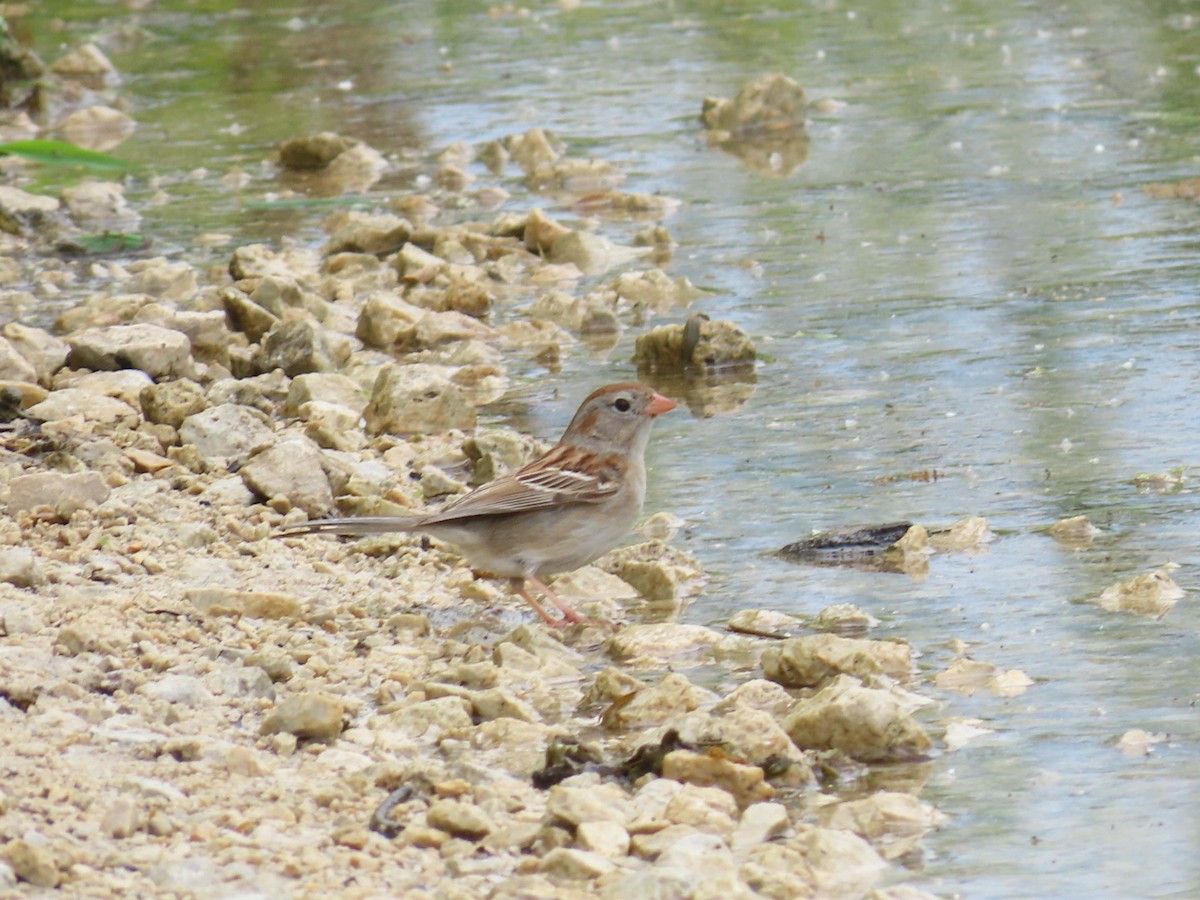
(963, 276)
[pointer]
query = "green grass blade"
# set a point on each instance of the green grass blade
(59, 153)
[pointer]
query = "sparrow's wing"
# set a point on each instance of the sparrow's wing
(563, 476)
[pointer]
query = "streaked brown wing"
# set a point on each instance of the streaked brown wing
(549, 481)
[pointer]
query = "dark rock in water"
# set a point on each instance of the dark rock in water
(850, 545)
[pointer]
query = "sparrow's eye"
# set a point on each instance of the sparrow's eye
(621, 404)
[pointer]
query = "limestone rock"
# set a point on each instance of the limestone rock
(868, 724)
(32, 863)
(357, 232)
(746, 733)
(125, 385)
(416, 399)
(44, 351)
(595, 803)
(14, 366)
(247, 316)
(662, 641)
(760, 822)
(294, 470)
(385, 318)
(591, 253)
(186, 690)
(655, 289)
(223, 601)
(746, 784)
(298, 346)
(573, 864)
(842, 863)
(314, 151)
(427, 719)
(325, 387)
(458, 818)
(609, 839)
(30, 214)
(88, 65)
(17, 618)
(707, 809)
(497, 451)
(807, 661)
(97, 128)
(100, 206)
(227, 432)
(73, 402)
(20, 566)
(659, 704)
(970, 533)
(885, 816)
(63, 493)
(658, 571)
(1076, 532)
(845, 619)
(170, 402)
(157, 351)
(308, 715)
(208, 331)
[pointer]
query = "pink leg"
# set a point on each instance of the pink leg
(519, 586)
(569, 614)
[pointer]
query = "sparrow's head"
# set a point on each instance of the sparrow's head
(617, 417)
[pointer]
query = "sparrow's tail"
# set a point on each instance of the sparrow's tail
(355, 525)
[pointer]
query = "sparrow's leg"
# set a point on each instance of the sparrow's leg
(569, 614)
(518, 585)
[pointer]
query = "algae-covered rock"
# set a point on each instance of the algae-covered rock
(314, 151)
(170, 402)
(767, 103)
(970, 533)
(1075, 532)
(700, 344)
(1152, 594)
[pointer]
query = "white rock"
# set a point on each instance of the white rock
(417, 399)
(157, 351)
(609, 839)
(68, 403)
(760, 822)
(14, 366)
(187, 690)
(227, 432)
(63, 493)
(294, 470)
(19, 566)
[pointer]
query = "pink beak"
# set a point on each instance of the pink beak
(659, 404)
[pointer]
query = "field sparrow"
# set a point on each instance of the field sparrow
(555, 514)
